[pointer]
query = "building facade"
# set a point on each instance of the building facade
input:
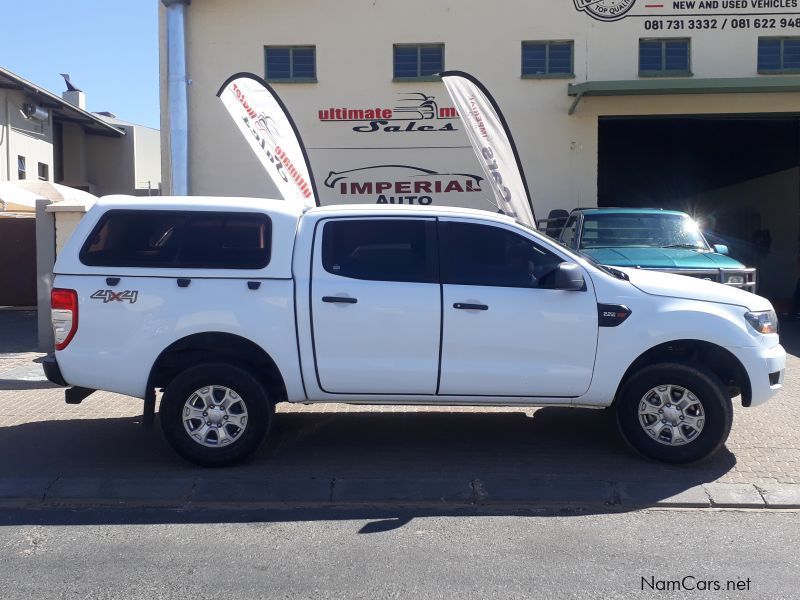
(50, 138)
(683, 104)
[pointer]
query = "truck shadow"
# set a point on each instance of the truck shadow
(484, 456)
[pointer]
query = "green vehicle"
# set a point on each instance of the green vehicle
(646, 238)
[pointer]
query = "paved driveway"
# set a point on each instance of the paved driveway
(103, 437)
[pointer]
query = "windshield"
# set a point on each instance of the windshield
(642, 230)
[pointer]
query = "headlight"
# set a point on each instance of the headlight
(763, 322)
(735, 279)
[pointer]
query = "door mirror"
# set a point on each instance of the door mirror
(720, 248)
(569, 277)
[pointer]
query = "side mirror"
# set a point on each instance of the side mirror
(569, 277)
(720, 249)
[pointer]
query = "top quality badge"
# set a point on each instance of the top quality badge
(605, 10)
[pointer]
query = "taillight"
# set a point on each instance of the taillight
(64, 314)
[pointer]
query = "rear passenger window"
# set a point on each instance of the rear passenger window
(179, 239)
(475, 254)
(381, 249)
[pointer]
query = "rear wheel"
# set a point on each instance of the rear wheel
(215, 414)
(675, 413)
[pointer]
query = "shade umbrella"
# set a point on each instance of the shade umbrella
(16, 199)
(56, 192)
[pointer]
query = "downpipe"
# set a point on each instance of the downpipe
(177, 97)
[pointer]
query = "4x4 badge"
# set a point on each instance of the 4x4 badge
(111, 296)
(605, 10)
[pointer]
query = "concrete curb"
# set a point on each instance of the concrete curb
(221, 491)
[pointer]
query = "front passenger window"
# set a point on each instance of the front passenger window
(473, 254)
(381, 249)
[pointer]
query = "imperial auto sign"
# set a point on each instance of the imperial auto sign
(407, 151)
(415, 167)
(401, 184)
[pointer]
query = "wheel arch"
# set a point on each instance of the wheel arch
(217, 346)
(693, 352)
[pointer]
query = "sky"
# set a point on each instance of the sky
(109, 49)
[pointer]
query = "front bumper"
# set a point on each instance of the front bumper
(766, 368)
(52, 371)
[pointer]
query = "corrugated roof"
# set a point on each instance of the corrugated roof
(61, 109)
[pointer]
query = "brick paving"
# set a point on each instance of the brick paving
(42, 436)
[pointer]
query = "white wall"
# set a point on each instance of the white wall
(147, 159)
(354, 40)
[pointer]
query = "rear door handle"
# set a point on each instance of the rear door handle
(462, 306)
(339, 299)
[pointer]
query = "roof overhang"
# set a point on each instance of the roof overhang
(61, 109)
(658, 87)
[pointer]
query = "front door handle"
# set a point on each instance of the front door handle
(462, 306)
(339, 299)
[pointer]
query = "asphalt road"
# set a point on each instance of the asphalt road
(330, 554)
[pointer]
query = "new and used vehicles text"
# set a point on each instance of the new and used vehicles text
(232, 305)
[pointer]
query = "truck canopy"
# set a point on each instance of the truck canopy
(192, 236)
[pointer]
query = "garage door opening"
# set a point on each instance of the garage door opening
(739, 176)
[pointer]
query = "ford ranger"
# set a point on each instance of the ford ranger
(232, 305)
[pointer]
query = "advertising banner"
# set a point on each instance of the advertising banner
(272, 135)
(492, 142)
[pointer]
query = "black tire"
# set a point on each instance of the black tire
(704, 385)
(252, 396)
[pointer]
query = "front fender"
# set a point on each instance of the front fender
(653, 323)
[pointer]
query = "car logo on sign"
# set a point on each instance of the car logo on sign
(605, 10)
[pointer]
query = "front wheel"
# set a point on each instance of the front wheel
(674, 413)
(215, 414)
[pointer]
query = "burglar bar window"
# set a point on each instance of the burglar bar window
(416, 62)
(547, 59)
(21, 170)
(778, 55)
(667, 57)
(291, 64)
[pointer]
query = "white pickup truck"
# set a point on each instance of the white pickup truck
(232, 305)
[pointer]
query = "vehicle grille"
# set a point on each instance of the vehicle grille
(708, 276)
(719, 276)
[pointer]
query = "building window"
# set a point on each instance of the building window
(778, 55)
(291, 64)
(667, 57)
(44, 171)
(415, 62)
(548, 59)
(21, 170)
